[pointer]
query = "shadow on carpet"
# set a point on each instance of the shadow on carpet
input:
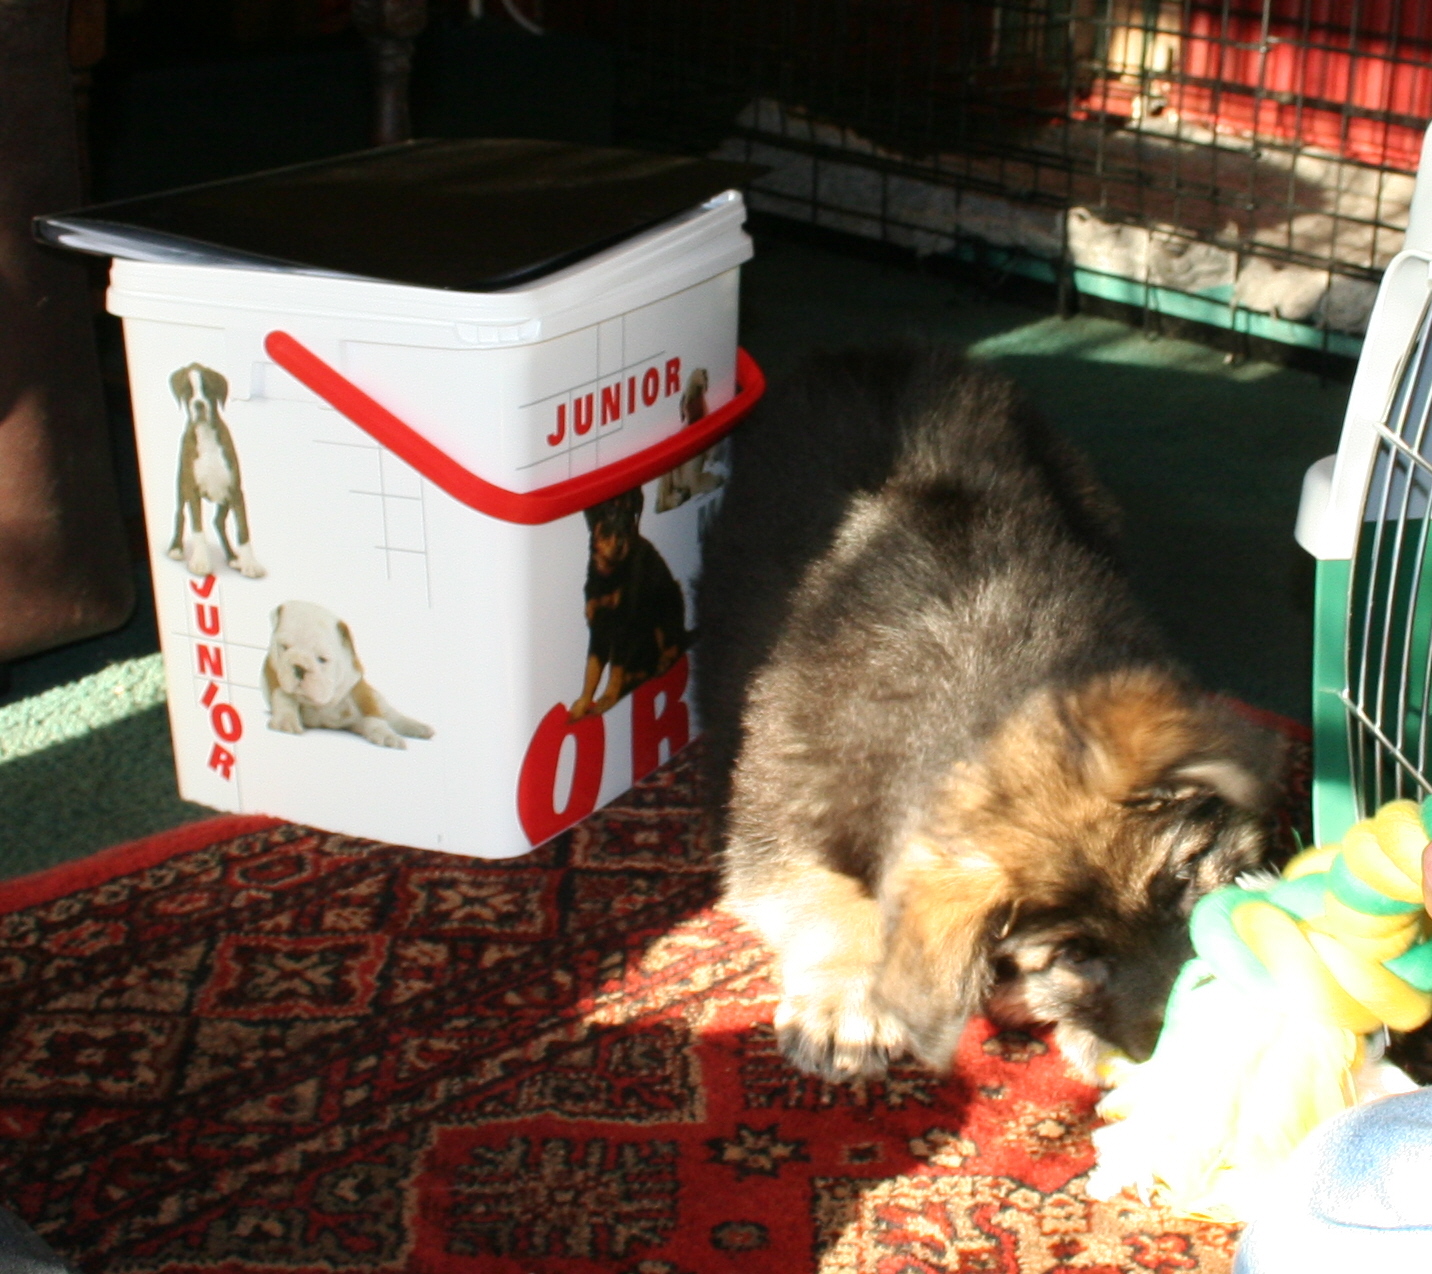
(253, 1046)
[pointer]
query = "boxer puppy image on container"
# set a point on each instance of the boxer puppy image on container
(209, 470)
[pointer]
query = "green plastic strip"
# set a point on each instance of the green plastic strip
(1214, 312)
(1211, 308)
(1334, 803)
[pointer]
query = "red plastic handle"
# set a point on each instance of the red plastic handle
(526, 508)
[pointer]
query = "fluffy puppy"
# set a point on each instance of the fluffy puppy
(313, 678)
(954, 766)
(209, 470)
(636, 615)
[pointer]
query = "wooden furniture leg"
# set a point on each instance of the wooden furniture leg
(391, 27)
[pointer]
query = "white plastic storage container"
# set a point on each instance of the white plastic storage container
(395, 634)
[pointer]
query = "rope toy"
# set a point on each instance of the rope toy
(1267, 1029)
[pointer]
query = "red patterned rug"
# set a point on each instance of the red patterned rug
(247, 1047)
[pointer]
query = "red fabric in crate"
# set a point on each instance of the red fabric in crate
(1350, 77)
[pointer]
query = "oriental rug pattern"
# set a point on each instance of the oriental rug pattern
(257, 1049)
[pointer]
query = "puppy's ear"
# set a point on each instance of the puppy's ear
(1224, 776)
(215, 386)
(179, 383)
(636, 500)
(1240, 761)
(942, 910)
(346, 638)
(1144, 737)
(277, 616)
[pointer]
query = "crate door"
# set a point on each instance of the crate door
(1389, 620)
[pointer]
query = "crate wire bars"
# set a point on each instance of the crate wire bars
(1244, 165)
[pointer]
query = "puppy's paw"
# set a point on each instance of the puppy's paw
(198, 562)
(248, 565)
(285, 719)
(839, 1035)
(176, 551)
(671, 498)
(378, 731)
(412, 729)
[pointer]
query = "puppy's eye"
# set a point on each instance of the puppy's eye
(323, 659)
(1189, 800)
(1076, 952)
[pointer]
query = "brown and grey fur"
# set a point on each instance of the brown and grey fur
(209, 470)
(954, 766)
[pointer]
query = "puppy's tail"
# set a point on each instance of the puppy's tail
(965, 424)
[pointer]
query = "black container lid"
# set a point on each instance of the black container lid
(473, 215)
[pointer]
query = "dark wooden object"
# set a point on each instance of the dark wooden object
(64, 568)
(86, 43)
(390, 27)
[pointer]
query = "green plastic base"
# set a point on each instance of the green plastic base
(1213, 308)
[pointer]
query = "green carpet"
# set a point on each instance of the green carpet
(1206, 458)
(86, 765)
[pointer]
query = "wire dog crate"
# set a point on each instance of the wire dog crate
(1245, 164)
(1240, 163)
(1365, 517)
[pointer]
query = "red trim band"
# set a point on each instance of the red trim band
(97, 869)
(529, 508)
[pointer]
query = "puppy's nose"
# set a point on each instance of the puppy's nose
(298, 672)
(1139, 1040)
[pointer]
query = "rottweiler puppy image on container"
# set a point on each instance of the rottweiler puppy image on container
(636, 615)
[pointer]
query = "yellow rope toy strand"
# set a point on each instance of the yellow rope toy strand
(1265, 1032)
